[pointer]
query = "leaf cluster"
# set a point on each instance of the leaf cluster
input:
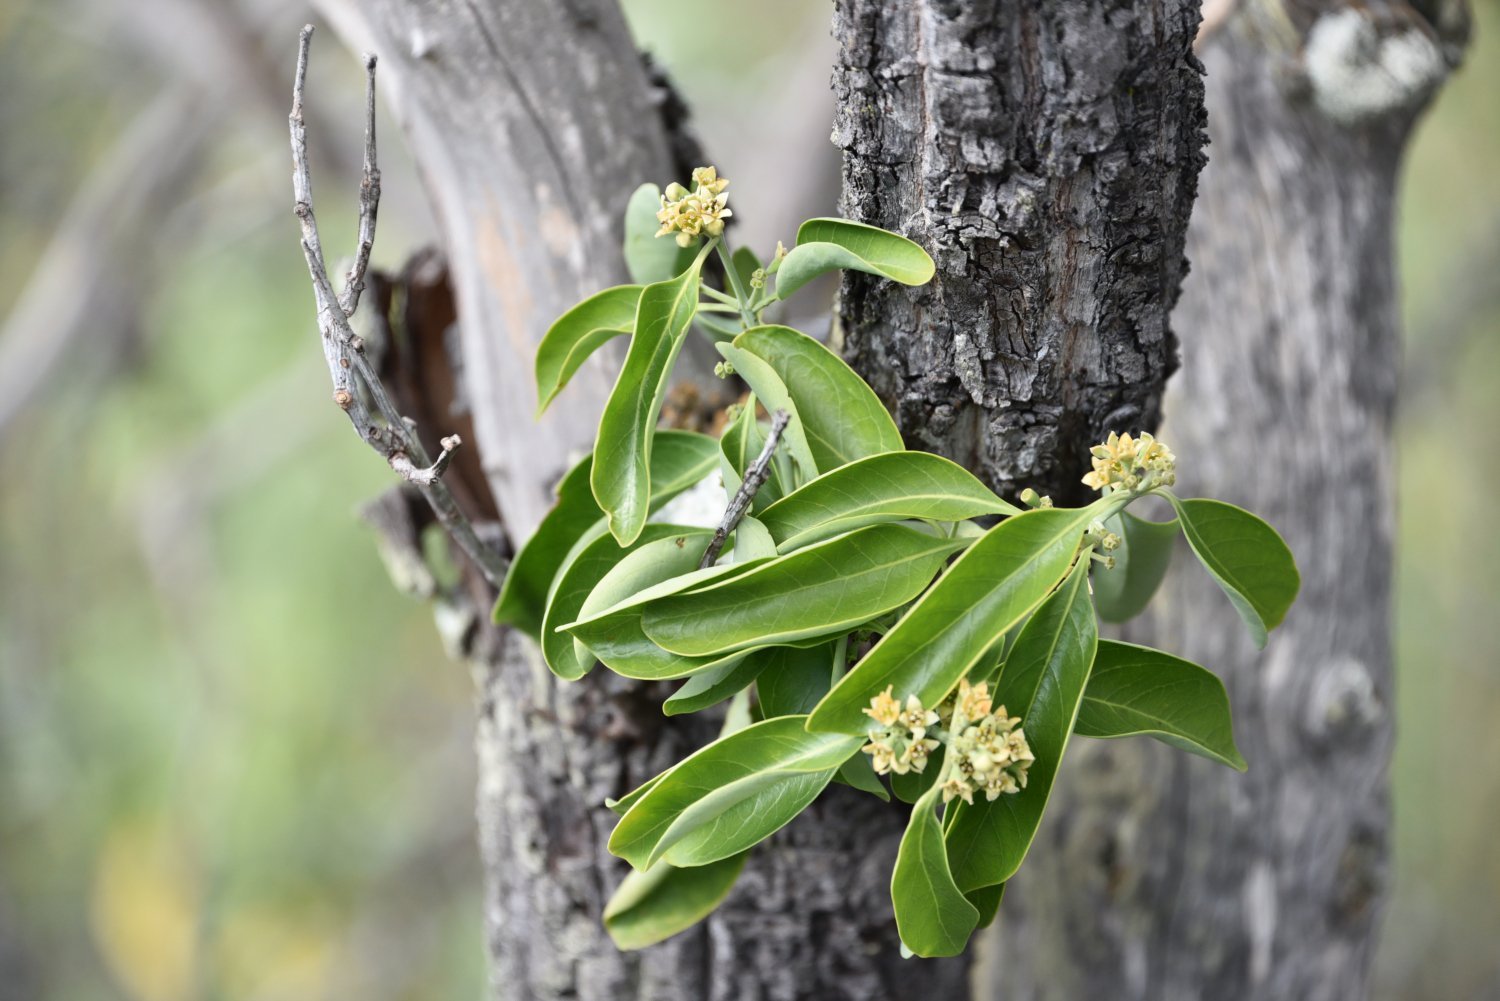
(860, 568)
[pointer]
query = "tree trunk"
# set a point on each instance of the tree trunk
(1047, 156)
(1161, 876)
(531, 124)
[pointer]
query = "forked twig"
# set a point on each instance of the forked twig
(755, 478)
(344, 351)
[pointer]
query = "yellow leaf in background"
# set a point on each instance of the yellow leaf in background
(145, 911)
(274, 954)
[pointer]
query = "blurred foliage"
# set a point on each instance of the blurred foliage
(234, 764)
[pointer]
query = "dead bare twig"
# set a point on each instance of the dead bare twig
(344, 351)
(755, 477)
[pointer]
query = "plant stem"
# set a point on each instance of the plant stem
(747, 315)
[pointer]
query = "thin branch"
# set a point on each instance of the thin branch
(369, 200)
(755, 477)
(344, 351)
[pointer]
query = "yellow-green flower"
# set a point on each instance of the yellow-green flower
(692, 213)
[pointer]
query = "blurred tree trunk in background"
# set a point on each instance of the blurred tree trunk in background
(1048, 156)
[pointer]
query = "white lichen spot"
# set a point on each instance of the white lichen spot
(1358, 74)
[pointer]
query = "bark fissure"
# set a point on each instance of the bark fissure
(1047, 158)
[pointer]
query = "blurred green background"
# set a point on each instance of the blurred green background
(234, 763)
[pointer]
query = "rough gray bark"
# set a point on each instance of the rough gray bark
(531, 124)
(1047, 156)
(1160, 876)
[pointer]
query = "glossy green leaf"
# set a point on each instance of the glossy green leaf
(523, 595)
(825, 245)
(794, 679)
(817, 591)
(752, 541)
(932, 914)
(710, 687)
(609, 624)
(656, 904)
(990, 588)
(578, 333)
(621, 474)
(1247, 558)
(650, 258)
(679, 459)
(1137, 690)
(773, 394)
(731, 794)
(1140, 565)
(625, 802)
(859, 773)
(843, 418)
(986, 901)
(579, 578)
(886, 487)
(741, 445)
(911, 787)
(1042, 683)
(746, 263)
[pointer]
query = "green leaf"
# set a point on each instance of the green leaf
(625, 802)
(794, 679)
(752, 541)
(1247, 558)
(986, 591)
(678, 461)
(718, 327)
(886, 487)
(1042, 683)
(741, 445)
(911, 787)
(621, 474)
(932, 915)
(813, 592)
(730, 795)
(843, 418)
(825, 245)
(609, 624)
(710, 687)
(1140, 564)
(745, 265)
(859, 773)
(986, 901)
(650, 258)
(1136, 690)
(656, 904)
(580, 577)
(578, 333)
(767, 386)
(523, 595)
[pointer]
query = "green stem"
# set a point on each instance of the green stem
(710, 307)
(721, 296)
(747, 315)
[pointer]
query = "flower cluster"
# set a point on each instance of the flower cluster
(988, 748)
(898, 740)
(1134, 464)
(691, 213)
